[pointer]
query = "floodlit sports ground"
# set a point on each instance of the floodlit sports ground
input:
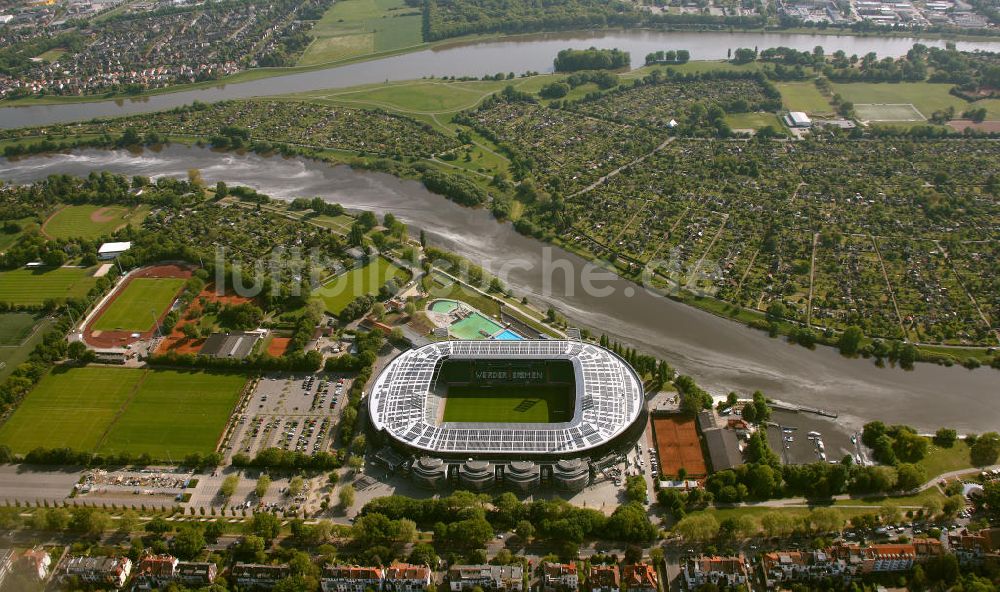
(165, 413)
(139, 304)
(606, 394)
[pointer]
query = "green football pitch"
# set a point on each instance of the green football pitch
(133, 309)
(32, 287)
(165, 413)
(545, 403)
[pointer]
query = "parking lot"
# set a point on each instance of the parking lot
(292, 412)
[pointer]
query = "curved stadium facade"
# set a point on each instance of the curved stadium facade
(543, 400)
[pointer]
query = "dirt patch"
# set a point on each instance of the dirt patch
(182, 344)
(959, 125)
(112, 339)
(677, 446)
(278, 346)
(102, 215)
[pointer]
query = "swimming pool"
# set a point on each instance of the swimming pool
(507, 335)
(475, 326)
(444, 306)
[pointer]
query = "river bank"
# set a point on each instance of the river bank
(720, 354)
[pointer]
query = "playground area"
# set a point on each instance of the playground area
(467, 323)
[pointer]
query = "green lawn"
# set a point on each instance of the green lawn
(175, 414)
(165, 413)
(945, 460)
(358, 27)
(15, 326)
(358, 282)
(134, 308)
(419, 96)
(752, 120)
(927, 97)
(90, 222)
(340, 224)
(509, 403)
(803, 96)
(71, 408)
(32, 287)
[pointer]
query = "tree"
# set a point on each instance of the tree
(777, 524)
(635, 488)
(910, 476)
(346, 496)
(228, 487)
(295, 486)
(986, 449)
(525, 530)
(945, 437)
(265, 525)
(698, 527)
(629, 523)
(850, 340)
(188, 542)
(263, 484)
(128, 521)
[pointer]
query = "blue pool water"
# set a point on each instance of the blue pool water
(507, 335)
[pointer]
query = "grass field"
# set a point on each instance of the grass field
(358, 282)
(927, 97)
(945, 460)
(803, 96)
(893, 112)
(422, 96)
(15, 326)
(358, 27)
(752, 120)
(539, 403)
(133, 309)
(175, 414)
(167, 414)
(91, 222)
(71, 408)
(32, 287)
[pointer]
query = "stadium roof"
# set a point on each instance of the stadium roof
(609, 398)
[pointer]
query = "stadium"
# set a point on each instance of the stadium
(523, 412)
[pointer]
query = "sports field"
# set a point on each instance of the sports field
(677, 446)
(537, 403)
(165, 413)
(175, 413)
(927, 97)
(89, 221)
(358, 282)
(888, 112)
(419, 96)
(752, 120)
(358, 27)
(14, 327)
(803, 96)
(133, 309)
(32, 287)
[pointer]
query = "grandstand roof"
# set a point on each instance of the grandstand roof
(609, 398)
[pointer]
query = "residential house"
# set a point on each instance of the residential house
(404, 577)
(976, 548)
(560, 577)
(351, 578)
(6, 564)
(155, 571)
(36, 562)
(107, 571)
(509, 578)
(256, 575)
(604, 578)
(639, 577)
(781, 567)
(196, 573)
(721, 571)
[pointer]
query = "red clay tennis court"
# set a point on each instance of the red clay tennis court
(677, 446)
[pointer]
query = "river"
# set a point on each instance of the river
(720, 354)
(517, 54)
